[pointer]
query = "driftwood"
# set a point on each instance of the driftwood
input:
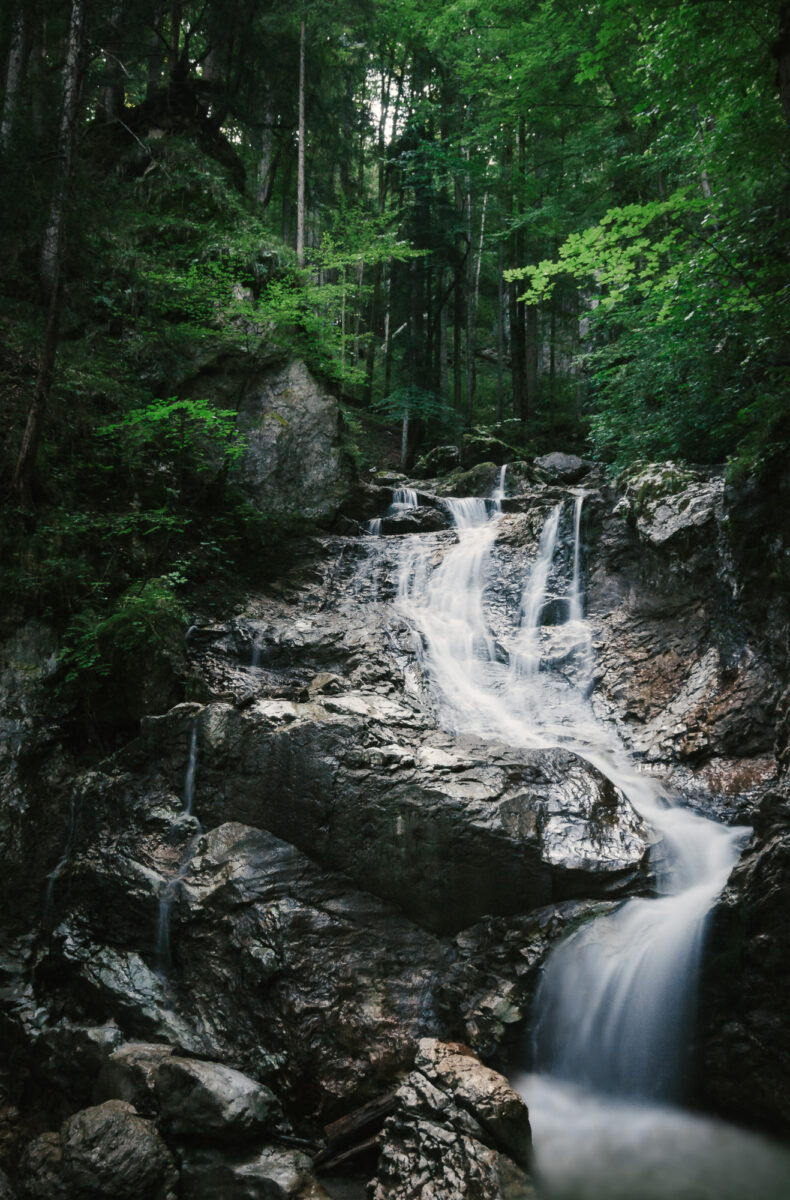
(354, 1133)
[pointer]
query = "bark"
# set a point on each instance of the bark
(25, 471)
(154, 55)
(301, 149)
(500, 334)
(112, 93)
(267, 165)
(52, 256)
(52, 244)
(531, 347)
(518, 356)
(14, 74)
(461, 250)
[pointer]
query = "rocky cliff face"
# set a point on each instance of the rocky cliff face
(294, 882)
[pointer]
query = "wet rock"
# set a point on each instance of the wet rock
(109, 1150)
(130, 1075)
(102, 1151)
(41, 1169)
(745, 1041)
(479, 480)
(350, 781)
(6, 1190)
(670, 503)
(415, 520)
(211, 1100)
(71, 1056)
(458, 1130)
(272, 1174)
(561, 468)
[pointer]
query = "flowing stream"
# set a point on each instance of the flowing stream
(614, 1010)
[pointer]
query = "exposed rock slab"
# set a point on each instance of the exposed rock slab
(458, 1130)
(212, 1100)
(271, 1174)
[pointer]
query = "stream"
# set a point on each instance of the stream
(614, 1013)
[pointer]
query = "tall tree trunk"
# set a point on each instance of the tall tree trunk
(112, 93)
(52, 243)
(266, 166)
(461, 249)
(470, 308)
(176, 9)
(52, 256)
(301, 148)
(531, 348)
(517, 314)
(500, 334)
(14, 73)
(155, 56)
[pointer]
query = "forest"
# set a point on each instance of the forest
(518, 225)
(395, 639)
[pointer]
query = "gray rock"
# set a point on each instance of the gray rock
(71, 1056)
(211, 1100)
(422, 519)
(561, 468)
(6, 1190)
(102, 1151)
(272, 1174)
(109, 1151)
(130, 1075)
(41, 1169)
(293, 463)
(458, 1130)
(439, 461)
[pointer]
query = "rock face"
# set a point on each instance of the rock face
(351, 879)
(561, 468)
(745, 1040)
(458, 1130)
(293, 463)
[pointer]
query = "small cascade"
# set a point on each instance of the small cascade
(525, 658)
(170, 889)
(189, 778)
(63, 862)
(499, 493)
(255, 663)
(402, 500)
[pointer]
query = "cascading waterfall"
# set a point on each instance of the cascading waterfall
(614, 1009)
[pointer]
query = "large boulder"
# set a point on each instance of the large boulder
(458, 1130)
(561, 468)
(130, 1074)
(293, 461)
(99, 1152)
(213, 1101)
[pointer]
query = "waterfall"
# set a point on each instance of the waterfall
(526, 656)
(170, 888)
(499, 492)
(614, 1009)
(402, 499)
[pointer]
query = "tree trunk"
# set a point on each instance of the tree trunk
(301, 148)
(458, 300)
(52, 256)
(267, 164)
(154, 55)
(112, 92)
(531, 358)
(500, 334)
(14, 74)
(52, 244)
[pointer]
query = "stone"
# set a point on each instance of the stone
(561, 468)
(130, 1074)
(6, 1190)
(109, 1150)
(422, 519)
(458, 1130)
(41, 1169)
(293, 462)
(213, 1101)
(272, 1174)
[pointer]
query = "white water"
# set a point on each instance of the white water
(402, 499)
(614, 1010)
(168, 893)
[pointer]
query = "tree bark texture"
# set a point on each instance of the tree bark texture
(301, 149)
(14, 73)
